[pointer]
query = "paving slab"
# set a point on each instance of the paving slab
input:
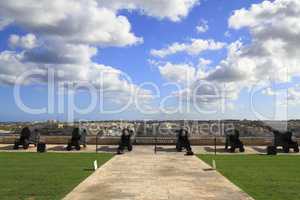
(142, 175)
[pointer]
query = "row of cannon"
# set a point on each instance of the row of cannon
(232, 141)
(281, 139)
(32, 137)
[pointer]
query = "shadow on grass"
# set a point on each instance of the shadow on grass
(89, 169)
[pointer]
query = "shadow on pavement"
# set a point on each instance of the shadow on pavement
(108, 149)
(57, 148)
(210, 149)
(166, 149)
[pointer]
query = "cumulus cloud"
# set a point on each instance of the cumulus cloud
(27, 41)
(173, 10)
(270, 57)
(202, 27)
(55, 52)
(233, 68)
(293, 96)
(93, 21)
(4, 22)
(275, 33)
(204, 62)
(272, 54)
(181, 73)
(110, 80)
(64, 35)
(194, 47)
(76, 21)
(193, 86)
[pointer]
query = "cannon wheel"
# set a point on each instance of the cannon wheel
(286, 149)
(242, 149)
(130, 147)
(16, 146)
(232, 149)
(69, 147)
(77, 147)
(26, 144)
(178, 147)
(296, 149)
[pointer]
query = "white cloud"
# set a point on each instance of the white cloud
(75, 21)
(204, 62)
(91, 21)
(58, 52)
(275, 33)
(233, 68)
(272, 54)
(195, 47)
(293, 96)
(4, 22)
(63, 35)
(202, 27)
(108, 79)
(193, 87)
(181, 73)
(173, 10)
(27, 41)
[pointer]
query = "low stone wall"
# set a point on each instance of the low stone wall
(145, 140)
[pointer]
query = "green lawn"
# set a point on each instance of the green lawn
(263, 177)
(44, 176)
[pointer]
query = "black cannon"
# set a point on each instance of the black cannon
(78, 139)
(233, 141)
(27, 137)
(125, 141)
(183, 142)
(285, 140)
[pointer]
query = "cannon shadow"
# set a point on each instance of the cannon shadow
(219, 150)
(57, 148)
(108, 149)
(259, 149)
(172, 149)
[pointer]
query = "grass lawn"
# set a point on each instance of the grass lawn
(262, 177)
(44, 176)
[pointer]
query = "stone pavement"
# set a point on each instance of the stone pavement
(142, 175)
(140, 148)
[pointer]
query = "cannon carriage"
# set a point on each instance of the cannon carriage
(78, 139)
(183, 141)
(284, 140)
(232, 141)
(125, 141)
(27, 137)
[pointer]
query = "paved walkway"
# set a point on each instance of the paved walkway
(142, 175)
(113, 149)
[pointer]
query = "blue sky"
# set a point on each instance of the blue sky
(158, 31)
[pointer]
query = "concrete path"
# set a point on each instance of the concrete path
(142, 175)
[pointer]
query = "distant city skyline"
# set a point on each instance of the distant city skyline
(144, 60)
